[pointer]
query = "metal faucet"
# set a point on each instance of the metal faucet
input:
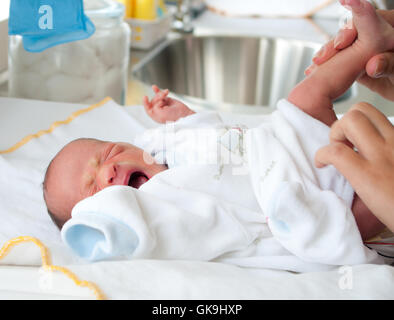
(182, 21)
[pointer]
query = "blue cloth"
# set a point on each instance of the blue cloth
(38, 44)
(46, 23)
(97, 236)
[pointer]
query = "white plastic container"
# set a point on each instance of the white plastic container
(145, 33)
(84, 71)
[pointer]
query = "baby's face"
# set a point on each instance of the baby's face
(87, 166)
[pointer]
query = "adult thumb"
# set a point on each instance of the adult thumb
(381, 65)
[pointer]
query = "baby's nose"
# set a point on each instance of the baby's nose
(108, 175)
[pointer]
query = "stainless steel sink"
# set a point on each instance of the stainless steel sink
(229, 70)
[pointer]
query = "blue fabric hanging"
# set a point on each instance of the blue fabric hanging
(38, 44)
(46, 23)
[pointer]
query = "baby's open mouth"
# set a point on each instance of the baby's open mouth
(137, 179)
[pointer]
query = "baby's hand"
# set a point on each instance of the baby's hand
(162, 108)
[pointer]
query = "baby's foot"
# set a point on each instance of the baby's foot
(375, 35)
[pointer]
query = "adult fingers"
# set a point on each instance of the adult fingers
(375, 117)
(356, 128)
(344, 159)
(382, 86)
(338, 134)
(345, 37)
(387, 15)
(381, 65)
(325, 53)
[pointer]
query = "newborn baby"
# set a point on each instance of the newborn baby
(86, 166)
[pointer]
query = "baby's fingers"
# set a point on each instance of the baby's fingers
(159, 104)
(146, 102)
(155, 89)
(161, 95)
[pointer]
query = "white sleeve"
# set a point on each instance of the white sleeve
(309, 136)
(121, 221)
(316, 226)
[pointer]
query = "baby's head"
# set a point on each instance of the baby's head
(86, 166)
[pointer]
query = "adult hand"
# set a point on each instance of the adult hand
(379, 76)
(370, 169)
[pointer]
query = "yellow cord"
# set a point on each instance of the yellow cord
(48, 266)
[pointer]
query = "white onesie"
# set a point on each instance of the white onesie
(247, 196)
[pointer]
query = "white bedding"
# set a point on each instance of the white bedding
(23, 214)
(154, 279)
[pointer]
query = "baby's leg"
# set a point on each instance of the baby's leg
(367, 223)
(315, 94)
